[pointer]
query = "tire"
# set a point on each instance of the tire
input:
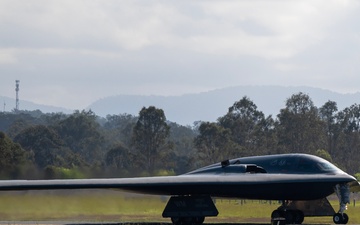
(298, 217)
(187, 220)
(176, 220)
(277, 214)
(290, 217)
(198, 220)
(339, 218)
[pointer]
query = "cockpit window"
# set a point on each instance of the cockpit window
(327, 166)
(316, 165)
(302, 164)
(290, 163)
(306, 165)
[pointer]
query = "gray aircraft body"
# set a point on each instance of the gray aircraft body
(300, 181)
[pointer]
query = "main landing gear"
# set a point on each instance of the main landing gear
(291, 216)
(189, 210)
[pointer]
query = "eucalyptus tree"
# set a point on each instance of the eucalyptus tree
(183, 153)
(118, 128)
(119, 160)
(82, 134)
(299, 127)
(213, 143)
(348, 143)
(12, 158)
(249, 127)
(328, 114)
(150, 137)
(46, 148)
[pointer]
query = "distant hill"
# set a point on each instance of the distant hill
(208, 106)
(27, 105)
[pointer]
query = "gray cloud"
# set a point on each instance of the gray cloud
(70, 53)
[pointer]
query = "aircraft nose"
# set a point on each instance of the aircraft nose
(352, 178)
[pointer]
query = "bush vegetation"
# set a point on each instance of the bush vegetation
(83, 145)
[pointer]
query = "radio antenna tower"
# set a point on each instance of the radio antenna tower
(17, 82)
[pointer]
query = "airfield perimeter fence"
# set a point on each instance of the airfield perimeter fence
(355, 197)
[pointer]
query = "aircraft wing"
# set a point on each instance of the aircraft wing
(277, 177)
(256, 186)
(294, 177)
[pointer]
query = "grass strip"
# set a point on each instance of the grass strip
(114, 206)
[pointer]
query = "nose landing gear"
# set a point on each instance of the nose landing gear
(343, 193)
(340, 218)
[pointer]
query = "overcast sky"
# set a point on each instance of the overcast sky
(70, 53)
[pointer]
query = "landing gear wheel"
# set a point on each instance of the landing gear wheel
(289, 217)
(339, 218)
(176, 220)
(187, 220)
(198, 220)
(298, 217)
(277, 214)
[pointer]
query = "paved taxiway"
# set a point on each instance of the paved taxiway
(114, 223)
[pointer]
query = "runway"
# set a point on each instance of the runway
(122, 223)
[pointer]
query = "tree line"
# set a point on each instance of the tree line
(81, 145)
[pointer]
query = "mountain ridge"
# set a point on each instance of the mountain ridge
(30, 106)
(208, 106)
(205, 106)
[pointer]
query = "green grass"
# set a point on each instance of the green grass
(79, 205)
(113, 206)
